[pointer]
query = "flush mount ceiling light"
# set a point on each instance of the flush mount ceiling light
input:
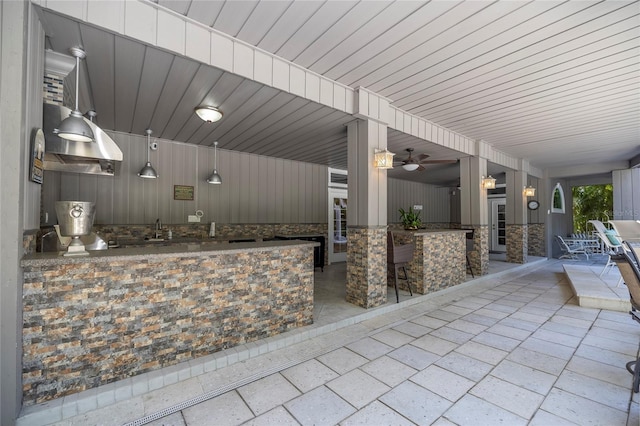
(209, 114)
(215, 177)
(74, 128)
(148, 172)
(383, 159)
(529, 191)
(489, 182)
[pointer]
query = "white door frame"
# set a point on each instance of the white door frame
(340, 256)
(496, 239)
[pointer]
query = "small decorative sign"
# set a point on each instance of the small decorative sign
(183, 192)
(37, 156)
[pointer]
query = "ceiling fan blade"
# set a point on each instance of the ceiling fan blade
(420, 168)
(439, 162)
(423, 157)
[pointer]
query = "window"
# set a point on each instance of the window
(557, 199)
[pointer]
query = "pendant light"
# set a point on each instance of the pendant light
(74, 128)
(148, 172)
(209, 114)
(215, 177)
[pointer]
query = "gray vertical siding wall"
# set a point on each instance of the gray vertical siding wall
(405, 194)
(626, 194)
(255, 189)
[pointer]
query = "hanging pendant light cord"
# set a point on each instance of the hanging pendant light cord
(77, 79)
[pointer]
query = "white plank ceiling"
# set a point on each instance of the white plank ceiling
(554, 82)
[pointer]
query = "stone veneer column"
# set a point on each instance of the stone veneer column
(536, 241)
(479, 256)
(366, 255)
(517, 243)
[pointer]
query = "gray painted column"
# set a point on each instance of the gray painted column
(475, 211)
(516, 217)
(366, 233)
(13, 53)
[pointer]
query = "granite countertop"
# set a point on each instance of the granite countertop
(202, 248)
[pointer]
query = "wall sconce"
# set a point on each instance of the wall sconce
(215, 177)
(529, 191)
(209, 114)
(489, 182)
(383, 159)
(148, 172)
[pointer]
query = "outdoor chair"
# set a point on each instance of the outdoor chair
(470, 233)
(571, 251)
(610, 240)
(628, 266)
(399, 256)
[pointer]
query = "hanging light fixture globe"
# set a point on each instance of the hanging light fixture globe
(215, 178)
(74, 127)
(148, 172)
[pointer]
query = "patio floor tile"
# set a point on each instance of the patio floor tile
(376, 413)
(225, 410)
(496, 341)
(537, 360)
(549, 348)
(606, 393)
(388, 370)
(434, 344)
(430, 322)
(416, 403)
(527, 377)
(267, 393)
(321, 406)
(442, 382)
(482, 352)
(471, 410)
(453, 335)
(414, 357)
(358, 388)
(512, 398)
(392, 338)
(465, 366)
(370, 348)
(617, 375)
(309, 375)
(278, 416)
(581, 410)
(342, 360)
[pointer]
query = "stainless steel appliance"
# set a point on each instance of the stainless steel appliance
(75, 219)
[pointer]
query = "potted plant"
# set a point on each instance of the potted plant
(410, 219)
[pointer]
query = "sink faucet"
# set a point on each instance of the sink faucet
(158, 228)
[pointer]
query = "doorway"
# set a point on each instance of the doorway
(337, 225)
(498, 225)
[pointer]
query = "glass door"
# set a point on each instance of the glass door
(498, 225)
(337, 225)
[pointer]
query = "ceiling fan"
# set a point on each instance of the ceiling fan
(416, 163)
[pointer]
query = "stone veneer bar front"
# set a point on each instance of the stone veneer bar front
(438, 259)
(93, 320)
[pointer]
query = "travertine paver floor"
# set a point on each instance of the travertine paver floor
(519, 352)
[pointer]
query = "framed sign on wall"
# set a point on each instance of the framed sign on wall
(183, 192)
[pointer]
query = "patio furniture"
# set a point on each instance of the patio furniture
(610, 241)
(627, 230)
(628, 266)
(470, 233)
(571, 250)
(399, 256)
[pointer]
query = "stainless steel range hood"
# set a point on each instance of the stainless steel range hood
(101, 157)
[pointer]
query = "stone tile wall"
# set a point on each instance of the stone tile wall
(92, 321)
(53, 89)
(536, 240)
(367, 266)
(517, 246)
(29, 240)
(438, 260)
(479, 255)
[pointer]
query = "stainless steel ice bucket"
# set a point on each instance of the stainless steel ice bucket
(75, 217)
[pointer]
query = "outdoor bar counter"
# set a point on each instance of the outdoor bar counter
(117, 313)
(438, 261)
